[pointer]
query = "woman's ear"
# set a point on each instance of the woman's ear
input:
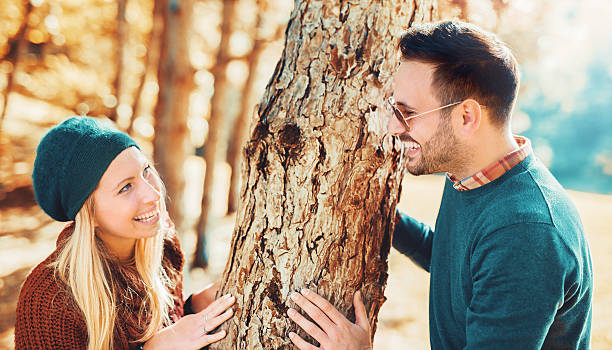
(470, 117)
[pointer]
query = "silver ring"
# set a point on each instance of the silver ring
(205, 323)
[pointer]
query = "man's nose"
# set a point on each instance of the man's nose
(395, 127)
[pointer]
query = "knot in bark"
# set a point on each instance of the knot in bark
(289, 136)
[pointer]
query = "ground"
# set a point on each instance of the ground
(27, 236)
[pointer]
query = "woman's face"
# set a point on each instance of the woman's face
(127, 202)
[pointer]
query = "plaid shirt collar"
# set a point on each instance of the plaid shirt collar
(495, 170)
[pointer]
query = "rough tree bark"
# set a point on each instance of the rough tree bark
(217, 112)
(175, 79)
(321, 178)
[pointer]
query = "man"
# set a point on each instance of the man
(509, 262)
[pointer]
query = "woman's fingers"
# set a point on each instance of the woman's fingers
(218, 306)
(216, 321)
(211, 338)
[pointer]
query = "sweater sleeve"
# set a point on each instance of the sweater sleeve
(413, 239)
(520, 275)
(46, 316)
(173, 265)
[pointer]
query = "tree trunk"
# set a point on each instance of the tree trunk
(19, 43)
(120, 38)
(151, 60)
(217, 112)
(175, 79)
(236, 142)
(321, 176)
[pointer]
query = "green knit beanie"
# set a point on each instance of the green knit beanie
(70, 160)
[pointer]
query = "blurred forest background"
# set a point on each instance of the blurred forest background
(183, 78)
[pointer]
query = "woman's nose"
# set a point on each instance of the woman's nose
(150, 193)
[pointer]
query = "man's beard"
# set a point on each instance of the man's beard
(441, 153)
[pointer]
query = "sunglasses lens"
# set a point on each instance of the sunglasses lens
(400, 118)
(398, 114)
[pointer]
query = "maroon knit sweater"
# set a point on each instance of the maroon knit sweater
(48, 317)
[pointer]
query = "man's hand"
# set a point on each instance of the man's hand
(332, 330)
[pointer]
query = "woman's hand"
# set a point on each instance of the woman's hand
(203, 298)
(192, 331)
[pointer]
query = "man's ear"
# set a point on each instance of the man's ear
(470, 117)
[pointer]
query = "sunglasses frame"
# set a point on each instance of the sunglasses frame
(404, 120)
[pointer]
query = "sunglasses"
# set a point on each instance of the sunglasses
(404, 119)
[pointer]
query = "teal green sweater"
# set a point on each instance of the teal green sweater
(510, 265)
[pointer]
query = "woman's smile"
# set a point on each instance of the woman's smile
(149, 218)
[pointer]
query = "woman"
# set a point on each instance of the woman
(114, 280)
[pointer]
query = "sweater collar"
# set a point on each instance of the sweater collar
(496, 169)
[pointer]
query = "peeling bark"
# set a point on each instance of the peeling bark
(321, 178)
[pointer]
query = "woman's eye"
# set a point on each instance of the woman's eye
(147, 170)
(125, 188)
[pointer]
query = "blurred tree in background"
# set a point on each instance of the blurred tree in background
(178, 76)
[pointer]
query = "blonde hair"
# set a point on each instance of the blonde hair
(83, 265)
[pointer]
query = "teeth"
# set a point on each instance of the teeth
(413, 145)
(147, 216)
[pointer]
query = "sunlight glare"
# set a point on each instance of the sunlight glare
(237, 72)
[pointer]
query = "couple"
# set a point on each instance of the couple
(510, 266)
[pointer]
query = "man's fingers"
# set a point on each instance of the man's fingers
(301, 343)
(312, 329)
(313, 311)
(324, 305)
(361, 316)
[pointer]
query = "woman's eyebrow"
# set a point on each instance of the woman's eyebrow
(144, 165)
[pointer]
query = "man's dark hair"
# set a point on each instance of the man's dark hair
(469, 63)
